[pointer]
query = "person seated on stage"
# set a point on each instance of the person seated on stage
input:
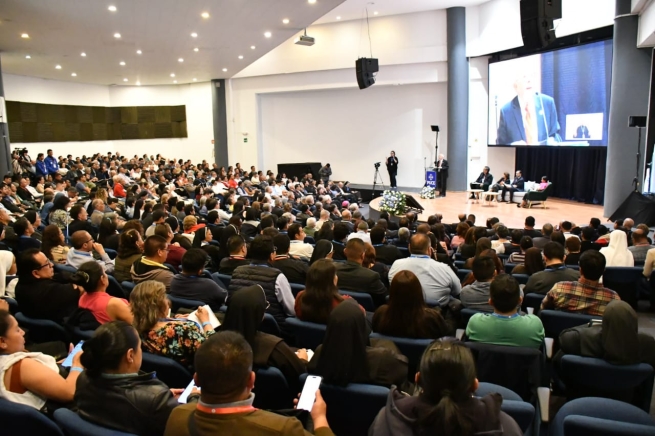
(516, 186)
(542, 187)
(483, 181)
(498, 186)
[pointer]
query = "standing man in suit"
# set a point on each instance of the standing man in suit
(392, 168)
(530, 118)
(442, 174)
(483, 181)
(517, 185)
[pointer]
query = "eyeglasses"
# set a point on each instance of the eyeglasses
(90, 240)
(48, 263)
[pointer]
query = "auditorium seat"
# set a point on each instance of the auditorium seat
(365, 300)
(168, 370)
(272, 390)
(177, 303)
(555, 321)
(624, 281)
(43, 330)
(411, 348)
(74, 425)
(18, 419)
(308, 334)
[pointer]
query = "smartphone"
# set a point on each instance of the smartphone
(69, 360)
(183, 398)
(308, 395)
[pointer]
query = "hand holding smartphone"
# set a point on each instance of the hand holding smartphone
(308, 395)
(68, 362)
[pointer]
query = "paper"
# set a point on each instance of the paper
(212, 318)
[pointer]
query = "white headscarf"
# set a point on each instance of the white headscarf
(617, 254)
(6, 260)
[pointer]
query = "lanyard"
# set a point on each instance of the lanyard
(505, 316)
(225, 410)
(420, 256)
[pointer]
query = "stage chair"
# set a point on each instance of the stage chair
(536, 197)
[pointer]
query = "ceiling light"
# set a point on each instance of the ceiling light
(117, 35)
(28, 57)
(285, 21)
(311, 2)
(205, 15)
(375, 13)
(196, 49)
(74, 74)
(224, 69)
(24, 35)
(138, 83)
(338, 18)
(174, 81)
(240, 57)
(180, 60)
(122, 64)
(139, 52)
(172, 74)
(112, 8)
(252, 47)
(58, 67)
(267, 34)
(195, 80)
(83, 54)
(194, 35)
(125, 80)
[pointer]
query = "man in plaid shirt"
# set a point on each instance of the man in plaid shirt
(587, 295)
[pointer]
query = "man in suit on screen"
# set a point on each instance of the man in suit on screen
(530, 118)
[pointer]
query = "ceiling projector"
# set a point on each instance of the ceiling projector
(305, 40)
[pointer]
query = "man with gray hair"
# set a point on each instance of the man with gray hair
(362, 233)
(310, 228)
(484, 180)
(324, 217)
(403, 238)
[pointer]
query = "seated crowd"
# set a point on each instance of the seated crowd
(106, 242)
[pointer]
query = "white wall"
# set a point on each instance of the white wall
(196, 97)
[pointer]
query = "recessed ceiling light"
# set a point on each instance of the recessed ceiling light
(240, 57)
(58, 67)
(24, 35)
(311, 1)
(83, 54)
(194, 35)
(112, 8)
(285, 21)
(252, 47)
(122, 64)
(224, 69)
(338, 18)
(174, 81)
(28, 57)
(180, 60)
(196, 49)
(195, 80)
(205, 15)
(267, 34)
(125, 79)
(375, 13)
(138, 83)
(117, 35)
(139, 52)
(172, 74)
(74, 74)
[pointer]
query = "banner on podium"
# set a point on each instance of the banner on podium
(431, 179)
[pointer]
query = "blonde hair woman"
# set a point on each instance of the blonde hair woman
(176, 338)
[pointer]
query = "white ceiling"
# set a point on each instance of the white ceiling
(356, 9)
(60, 30)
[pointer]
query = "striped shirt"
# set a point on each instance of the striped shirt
(584, 296)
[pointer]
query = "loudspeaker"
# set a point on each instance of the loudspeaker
(635, 121)
(365, 69)
(435, 128)
(537, 22)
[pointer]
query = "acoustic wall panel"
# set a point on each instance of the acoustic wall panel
(32, 122)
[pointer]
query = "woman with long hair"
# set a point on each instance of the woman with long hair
(460, 235)
(138, 209)
(93, 279)
(323, 250)
(53, 244)
(108, 233)
(113, 391)
(130, 249)
(147, 210)
(321, 294)
(244, 315)
(534, 262)
(446, 404)
(467, 249)
(59, 213)
(325, 232)
(406, 314)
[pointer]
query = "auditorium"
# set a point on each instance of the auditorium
(328, 217)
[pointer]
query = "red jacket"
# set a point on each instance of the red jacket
(119, 191)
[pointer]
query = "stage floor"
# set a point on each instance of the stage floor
(456, 202)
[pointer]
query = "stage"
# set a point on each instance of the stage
(456, 202)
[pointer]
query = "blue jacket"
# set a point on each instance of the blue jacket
(41, 169)
(51, 164)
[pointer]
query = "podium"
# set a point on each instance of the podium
(431, 178)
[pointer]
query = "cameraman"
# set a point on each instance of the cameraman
(324, 173)
(392, 168)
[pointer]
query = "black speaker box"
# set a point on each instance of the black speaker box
(365, 69)
(635, 121)
(537, 22)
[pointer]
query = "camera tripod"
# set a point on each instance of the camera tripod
(377, 177)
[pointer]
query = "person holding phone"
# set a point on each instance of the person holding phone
(224, 374)
(113, 392)
(31, 379)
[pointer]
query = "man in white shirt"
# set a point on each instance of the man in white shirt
(324, 216)
(362, 232)
(298, 247)
(439, 282)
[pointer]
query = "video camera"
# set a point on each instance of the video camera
(376, 165)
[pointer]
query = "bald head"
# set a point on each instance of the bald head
(628, 223)
(419, 244)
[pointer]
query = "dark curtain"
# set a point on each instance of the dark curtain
(577, 173)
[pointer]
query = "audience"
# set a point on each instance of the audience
(82, 252)
(237, 255)
(323, 250)
(617, 253)
(587, 295)
(476, 295)
(176, 338)
(555, 272)
(534, 262)
(348, 355)
(151, 265)
(293, 269)
(518, 257)
(438, 280)
(541, 241)
(573, 247)
(639, 248)
(298, 247)
(53, 244)
(446, 403)
(506, 326)
(406, 314)
(105, 308)
(175, 251)
(130, 249)
(191, 284)
(224, 374)
(384, 253)
(24, 230)
(353, 276)
(113, 392)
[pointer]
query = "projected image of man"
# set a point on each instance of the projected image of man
(530, 118)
